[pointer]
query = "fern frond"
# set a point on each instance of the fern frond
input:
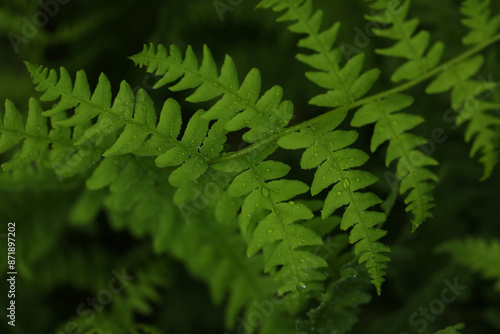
(478, 20)
(478, 254)
(344, 84)
(136, 115)
(268, 202)
(238, 106)
(339, 306)
(410, 46)
(104, 324)
(483, 117)
(14, 131)
(392, 127)
(326, 150)
(141, 202)
(451, 329)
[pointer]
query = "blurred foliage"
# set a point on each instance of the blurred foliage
(64, 257)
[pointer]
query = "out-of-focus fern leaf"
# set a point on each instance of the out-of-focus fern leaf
(468, 95)
(483, 117)
(135, 114)
(326, 150)
(409, 45)
(478, 254)
(238, 106)
(451, 329)
(411, 167)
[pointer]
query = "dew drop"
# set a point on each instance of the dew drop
(270, 230)
(265, 192)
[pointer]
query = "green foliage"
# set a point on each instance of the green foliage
(409, 45)
(468, 96)
(451, 330)
(478, 254)
(339, 303)
(388, 126)
(411, 170)
(325, 148)
(201, 182)
(478, 20)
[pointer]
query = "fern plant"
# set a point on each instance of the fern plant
(222, 189)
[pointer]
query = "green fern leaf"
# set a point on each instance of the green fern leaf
(451, 329)
(135, 117)
(326, 150)
(238, 107)
(483, 119)
(134, 134)
(478, 20)
(410, 46)
(141, 201)
(411, 162)
(186, 153)
(344, 85)
(478, 254)
(338, 308)
(278, 227)
(13, 131)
